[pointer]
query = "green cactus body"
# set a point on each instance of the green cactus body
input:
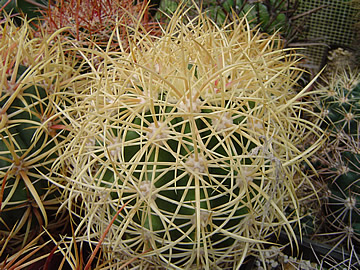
(198, 133)
(28, 134)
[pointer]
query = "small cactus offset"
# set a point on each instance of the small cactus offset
(29, 133)
(199, 133)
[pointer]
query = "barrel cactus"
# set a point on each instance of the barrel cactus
(198, 133)
(29, 133)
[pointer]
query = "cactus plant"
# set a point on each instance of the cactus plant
(339, 160)
(29, 132)
(198, 133)
(89, 22)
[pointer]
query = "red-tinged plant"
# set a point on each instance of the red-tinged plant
(90, 21)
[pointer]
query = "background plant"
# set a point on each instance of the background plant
(92, 22)
(269, 16)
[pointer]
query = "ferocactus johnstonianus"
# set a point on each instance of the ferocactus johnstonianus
(199, 132)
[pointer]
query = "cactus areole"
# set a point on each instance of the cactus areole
(198, 131)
